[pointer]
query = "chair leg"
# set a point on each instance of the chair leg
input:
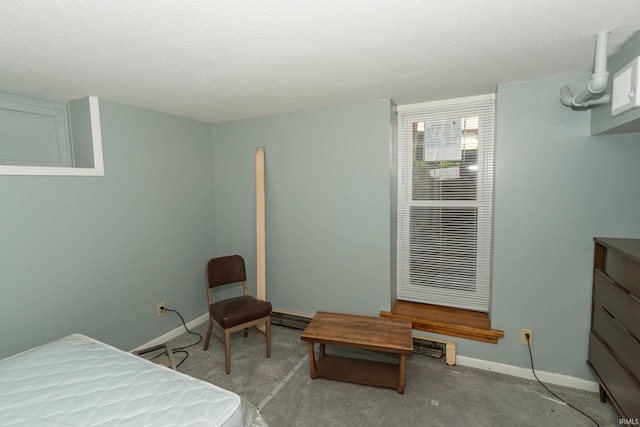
(268, 330)
(227, 352)
(206, 341)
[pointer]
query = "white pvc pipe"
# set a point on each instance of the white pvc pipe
(600, 61)
(599, 78)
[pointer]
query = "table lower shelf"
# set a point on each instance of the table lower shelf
(359, 371)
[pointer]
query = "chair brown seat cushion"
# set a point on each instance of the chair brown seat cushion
(235, 311)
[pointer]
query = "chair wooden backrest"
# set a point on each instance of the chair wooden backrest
(223, 271)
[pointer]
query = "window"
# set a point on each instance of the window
(34, 132)
(47, 137)
(444, 161)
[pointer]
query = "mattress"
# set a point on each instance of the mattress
(79, 381)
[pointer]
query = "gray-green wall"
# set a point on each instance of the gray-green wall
(556, 188)
(327, 205)
(95, 255)
(328, 212)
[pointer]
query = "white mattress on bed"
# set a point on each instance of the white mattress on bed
(79, 381)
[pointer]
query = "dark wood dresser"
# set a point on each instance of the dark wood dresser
(614, 340)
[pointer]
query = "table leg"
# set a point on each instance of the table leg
(321, 350)
(403, 359)
(312, 361)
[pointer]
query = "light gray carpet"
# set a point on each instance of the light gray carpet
(435, 394)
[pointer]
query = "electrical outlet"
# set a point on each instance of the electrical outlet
(161, 309)
(523, 338)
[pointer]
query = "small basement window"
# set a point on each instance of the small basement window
(45, 137)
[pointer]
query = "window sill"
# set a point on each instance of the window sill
(472, 325)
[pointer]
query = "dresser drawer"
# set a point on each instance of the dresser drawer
(625, 271)
(619, 340)
(621, 386)
(617, 301)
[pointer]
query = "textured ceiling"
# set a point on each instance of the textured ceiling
(224, 60)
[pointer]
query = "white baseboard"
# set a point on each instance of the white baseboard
(516, 371)
(174, 333)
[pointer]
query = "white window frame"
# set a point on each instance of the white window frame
(98, 162)
(408, 115)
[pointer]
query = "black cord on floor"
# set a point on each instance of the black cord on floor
(182, 349)
(555, 395)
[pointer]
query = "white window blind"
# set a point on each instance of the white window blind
(444, 202)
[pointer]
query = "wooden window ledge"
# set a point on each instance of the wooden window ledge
(455, 322)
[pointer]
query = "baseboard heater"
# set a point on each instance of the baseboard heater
(290, 320)
(297, 321)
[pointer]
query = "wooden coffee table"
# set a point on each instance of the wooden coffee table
(363, 332)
